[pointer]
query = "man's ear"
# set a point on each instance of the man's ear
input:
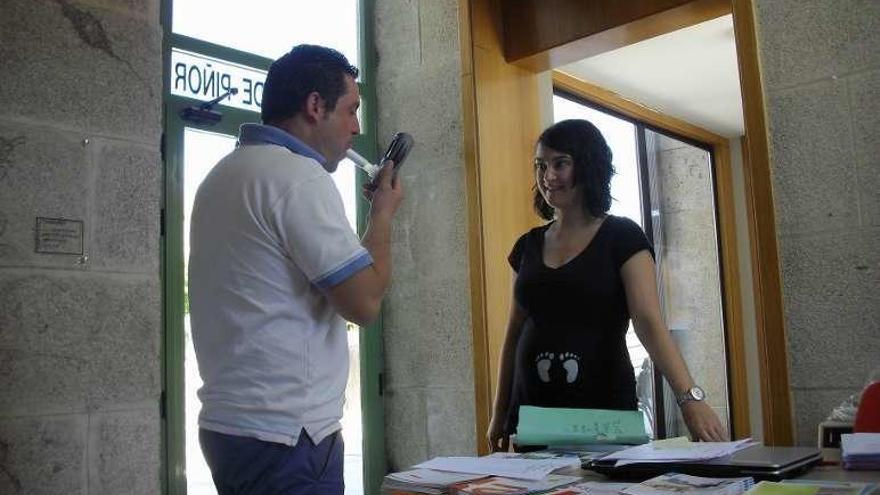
(314, 106)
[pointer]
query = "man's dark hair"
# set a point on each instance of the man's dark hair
(592, 164)
(303, 70)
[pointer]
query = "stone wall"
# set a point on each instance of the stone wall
(80, 369)
(429, 393)
(821, 74)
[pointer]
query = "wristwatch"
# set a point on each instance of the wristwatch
(694, 393)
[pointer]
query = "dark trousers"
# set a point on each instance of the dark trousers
(242, 465)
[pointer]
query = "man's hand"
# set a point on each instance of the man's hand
(702, 422)
(385, 192)
(358, 299)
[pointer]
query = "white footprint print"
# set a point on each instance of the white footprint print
(543, 362)
(570, 362)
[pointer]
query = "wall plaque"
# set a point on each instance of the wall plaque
(59, 236)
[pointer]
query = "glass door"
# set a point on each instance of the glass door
(201, 150)
(197, 148)
(210, 91)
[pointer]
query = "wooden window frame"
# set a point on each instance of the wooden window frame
(726, 230)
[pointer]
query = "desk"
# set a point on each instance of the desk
(824, 473)
(836, 473)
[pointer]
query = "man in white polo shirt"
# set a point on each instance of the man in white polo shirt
(274, 270)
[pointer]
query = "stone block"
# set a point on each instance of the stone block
(451, 422)
(428, 334)
(864, 94)
(806, 40)
(124, 454)
(691, 233)
(406, 433)
(43, 455)
(439, 33)
(127, 204)
(76, 341)
(81, 67)
(397, 37)
(147, 10)
(428, 309)
(685, 180)
(430, 229)
(405, 341)
(832, 308)
(43, 173)
(434, 122)
(812, 159)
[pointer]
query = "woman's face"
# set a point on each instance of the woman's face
(554, 175)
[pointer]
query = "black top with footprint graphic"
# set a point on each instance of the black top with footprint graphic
(572, 349)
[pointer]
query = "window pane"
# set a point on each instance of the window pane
(270, 27)
(686, 243)
(621, 138)
(201, 150)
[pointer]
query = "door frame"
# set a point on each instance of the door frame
(172, 263)
(502, 120)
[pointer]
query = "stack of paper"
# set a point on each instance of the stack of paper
(520, 466)
(591, 488)
(424, 481)
(510, 486)
(677, 451)
(503, 473)
(860, 450)
(561, 426)
(686, 484)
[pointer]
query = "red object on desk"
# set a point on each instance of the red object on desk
(868, 413)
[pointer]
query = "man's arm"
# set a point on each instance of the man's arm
(358, 299)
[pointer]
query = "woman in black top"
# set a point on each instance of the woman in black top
(579, 280)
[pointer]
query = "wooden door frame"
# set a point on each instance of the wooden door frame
(488, 75)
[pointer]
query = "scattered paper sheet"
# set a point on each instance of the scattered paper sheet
(528, 469)
(429, 477)
(693, 451)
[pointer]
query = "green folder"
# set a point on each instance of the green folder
(560, 426)
(771, 488)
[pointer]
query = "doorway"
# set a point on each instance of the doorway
(214, 76)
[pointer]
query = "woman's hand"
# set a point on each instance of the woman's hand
(499, 441)
(702, 422)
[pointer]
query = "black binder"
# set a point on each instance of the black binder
(758, 461)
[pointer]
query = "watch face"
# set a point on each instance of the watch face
(698, 393)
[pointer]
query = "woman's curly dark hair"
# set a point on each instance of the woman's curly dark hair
(592, 164)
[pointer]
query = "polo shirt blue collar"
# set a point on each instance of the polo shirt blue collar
(267, 134)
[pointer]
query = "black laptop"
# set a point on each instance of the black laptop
(758, 461)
